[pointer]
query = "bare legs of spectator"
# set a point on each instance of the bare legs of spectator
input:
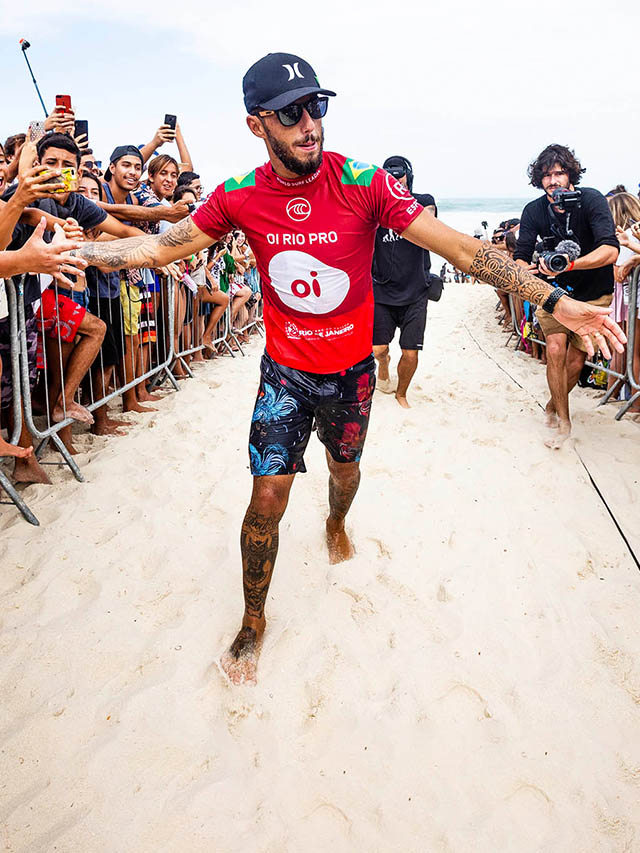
(180, 312)
(564, 365)
(635, 408)
(28, 469)
(144, 359)
(221, 301)
(507, 325)
(240, 298)
(130, 362)
(259, 546)
(406, 368)
(383, 381)
(102, 423)
(76, 359)
(7, 449)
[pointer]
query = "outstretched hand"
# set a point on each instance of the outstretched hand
(593, 324)
(36, 256)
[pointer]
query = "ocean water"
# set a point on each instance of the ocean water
(468, 214)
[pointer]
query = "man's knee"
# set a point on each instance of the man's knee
(92, 326)
(410, 355)
(381, 350)
(343, 472)
(556, 347)
(271, 495)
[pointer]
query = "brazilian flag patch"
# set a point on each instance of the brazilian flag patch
(355, 172)
(239, 182)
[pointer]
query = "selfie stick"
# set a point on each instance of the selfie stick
(24, 45)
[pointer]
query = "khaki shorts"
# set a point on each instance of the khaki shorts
(550, 325)
(131, 307)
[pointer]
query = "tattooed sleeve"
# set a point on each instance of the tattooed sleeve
(496, 268)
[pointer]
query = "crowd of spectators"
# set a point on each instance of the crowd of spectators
(91, 334)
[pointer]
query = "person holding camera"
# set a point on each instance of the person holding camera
(401, 282)
(576, 252)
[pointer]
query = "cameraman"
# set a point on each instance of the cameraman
(402, 284)
(584, 218)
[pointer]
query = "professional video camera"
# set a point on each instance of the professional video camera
(555, 257)
(554, 253)
(566, 200)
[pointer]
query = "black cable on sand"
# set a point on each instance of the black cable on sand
(584, 465)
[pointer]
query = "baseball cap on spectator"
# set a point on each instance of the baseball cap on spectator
(277, 80)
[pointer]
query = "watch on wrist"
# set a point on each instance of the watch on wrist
(552, 300)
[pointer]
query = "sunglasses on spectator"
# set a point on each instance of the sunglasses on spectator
(91, 164)
(497, 238)
(291, 115)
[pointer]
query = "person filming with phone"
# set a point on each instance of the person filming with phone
(571, 235)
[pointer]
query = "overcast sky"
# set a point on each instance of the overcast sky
(469, 91)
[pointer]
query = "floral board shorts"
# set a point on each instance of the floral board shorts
(290, 401)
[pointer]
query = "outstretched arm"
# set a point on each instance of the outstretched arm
(153, 250)
(494, 267)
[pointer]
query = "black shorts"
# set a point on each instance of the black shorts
(288, 402)
(110, 312)
(410, 319)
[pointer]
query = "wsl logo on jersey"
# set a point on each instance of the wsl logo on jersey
(298, 209)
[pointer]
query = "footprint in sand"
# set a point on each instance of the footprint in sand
(621, 666)
(362, 606)
(462, 696)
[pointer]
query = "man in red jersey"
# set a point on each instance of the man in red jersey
(311, 220)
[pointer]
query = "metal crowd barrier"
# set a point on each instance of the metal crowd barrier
(621, 378)
(50, 431)
(192, 333)
(14, 340)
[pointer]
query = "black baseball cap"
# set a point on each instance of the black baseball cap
(123, 151)
(279, 79)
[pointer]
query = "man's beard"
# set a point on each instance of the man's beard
(293, 164)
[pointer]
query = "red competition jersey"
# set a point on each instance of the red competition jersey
(313, 239)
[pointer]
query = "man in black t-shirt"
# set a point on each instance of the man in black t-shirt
(588, 278)
(401, 274)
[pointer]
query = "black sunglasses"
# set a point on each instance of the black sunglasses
(291, 114)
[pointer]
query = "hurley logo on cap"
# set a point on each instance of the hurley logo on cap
(266, 87)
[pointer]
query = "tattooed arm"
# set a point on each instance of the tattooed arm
(153, 250)
(494, 267)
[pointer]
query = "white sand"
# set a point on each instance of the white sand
(468, 682)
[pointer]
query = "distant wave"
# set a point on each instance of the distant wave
(495, 205)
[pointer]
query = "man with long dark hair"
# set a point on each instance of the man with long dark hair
(588, 277)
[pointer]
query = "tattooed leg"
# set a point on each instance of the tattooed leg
(344, 479)
(259, 547)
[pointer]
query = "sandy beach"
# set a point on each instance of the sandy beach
(470, 681)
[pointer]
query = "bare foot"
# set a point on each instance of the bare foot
(339, 545)
(7, 449)
(403, 402)
(551, 418)
(108, 427)
(74, 410)
(145, 397)
(136, 407)
(240, 662)
(387, 386)
(29, 470)
(561, 434)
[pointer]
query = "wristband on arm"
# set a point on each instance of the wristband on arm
(552, 300)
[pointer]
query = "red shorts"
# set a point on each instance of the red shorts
(59, 314)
